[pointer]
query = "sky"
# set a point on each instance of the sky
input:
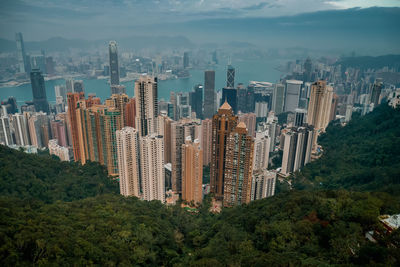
(95, 19)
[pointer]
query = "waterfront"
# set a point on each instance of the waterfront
(246, 70)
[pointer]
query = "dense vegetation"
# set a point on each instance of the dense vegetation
(57, 213)
(48, 179)
(363, 156)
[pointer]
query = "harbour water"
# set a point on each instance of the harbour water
(246, 71)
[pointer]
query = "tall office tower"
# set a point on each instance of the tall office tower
(334, 105)
(209, 93)
(196, 101)
(130, 112)
(114, 67)
(57, 150)
(230, 77)
(183, 108)
(376, 92)
(250, 120)
(307, 70)
(128, 161)
(297, 149)
(192, 171)
(21, 130)
(223, 124)
(21, 56)
(146, 105)
(179, 131)
(263, 184)
(206, 139)
(292, 95)
(300, 117)
(319, 108)
(152, 167)
(278, 100)
(38, 62)
(238, 167)
(230, 95)
(39, 91)
(174, 114)
(78, 86)
(5, 131)
(118, 89)
(185, 60)
(72, 100)
(262, 143)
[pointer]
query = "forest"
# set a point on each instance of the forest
(58, 213)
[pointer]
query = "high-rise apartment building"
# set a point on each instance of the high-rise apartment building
(206, 140)
(261, 150)
(238, 167)
(209, 93)
(57, 150)
(146, 105)
(114, 67)
(128, 161)
(5, 131)
(250, 119)
(130, 113)
(292, 95)
(192, 171)
(297, 149)
(319, 108)
(39, 91)
(152, 167)
(263, 184)
(223, 124)
(179, 132)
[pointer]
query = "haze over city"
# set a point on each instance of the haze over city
(200, 133)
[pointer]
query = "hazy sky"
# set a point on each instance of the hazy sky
(93, 19)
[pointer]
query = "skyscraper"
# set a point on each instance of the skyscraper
(185, 60)
(39, 91)
(130, 113)
(229, 94)
(152, 167)
(114, 67)
(209, 93)
(376, 92)
(319, 108)
(78, 86)
(261, 150)
(263, 184)
(223, 124)
(278, 100)
(146, 105)
(206, 139)
(196, 101)
(250, 120)
(230, 77)
(192, 171)
(292, 95)
(297, 149)
(5, 131)
(72, 99)
(128, 161)
(21, 56)
(21, 130)
(238, 167)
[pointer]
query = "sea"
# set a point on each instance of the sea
(245, 71)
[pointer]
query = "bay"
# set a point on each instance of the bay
(246, 71)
